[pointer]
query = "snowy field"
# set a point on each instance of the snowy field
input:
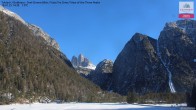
(89, 106)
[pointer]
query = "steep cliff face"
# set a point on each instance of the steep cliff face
(82, 65)
(101, 76)
(82, 61)
(178, 50)
(138, 67)
(166, 65)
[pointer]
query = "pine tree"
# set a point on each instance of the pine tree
(131, 97)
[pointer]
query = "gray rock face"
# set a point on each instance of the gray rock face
(187, 26)
(177, 43)
(138, 68)
(74, 61)
(105, 66)
(102, 74)
(82, 61)
(82, 64)
(40, 33)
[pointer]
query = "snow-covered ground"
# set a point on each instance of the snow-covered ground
(89, 106)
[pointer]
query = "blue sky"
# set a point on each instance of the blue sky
(100, 31)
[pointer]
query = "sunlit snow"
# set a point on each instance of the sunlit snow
(89, 106)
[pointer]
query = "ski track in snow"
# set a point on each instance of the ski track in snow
(171, 86)
(90, 106)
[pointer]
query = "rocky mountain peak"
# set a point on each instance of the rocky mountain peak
(177, 46)
(37, 31)
(74, 61)
(149, 65)
(187, 27)
(105, 66)
(136, 65)
(186, 23)
(82, 62)
(181, 24)
(137, 37)
(102, 74)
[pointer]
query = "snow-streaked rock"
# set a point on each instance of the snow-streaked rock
(177, 49)
(82, 64)
(105, 66)
(171, 85)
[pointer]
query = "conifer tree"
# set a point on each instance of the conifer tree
(131, 97)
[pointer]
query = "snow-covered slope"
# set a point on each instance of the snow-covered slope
(90, 66)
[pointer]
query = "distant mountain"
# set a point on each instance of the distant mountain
(147, 65)
(82, 64)
(32, 67)
(101, 76)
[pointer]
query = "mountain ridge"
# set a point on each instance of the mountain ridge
(35, 29)
(145, 64)
(31, 69)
